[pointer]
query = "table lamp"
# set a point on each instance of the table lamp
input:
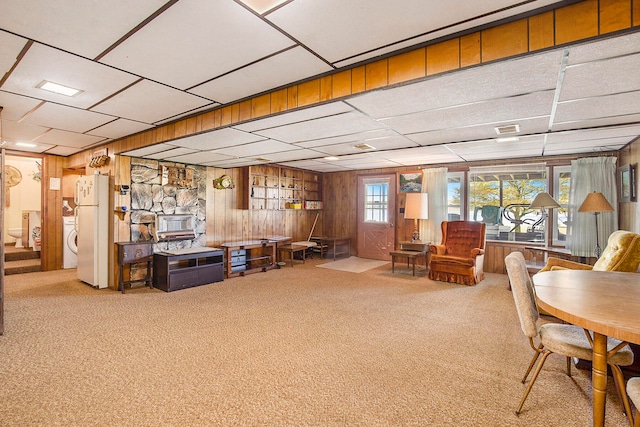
(544, 201)
(596, 202)
(417, 207)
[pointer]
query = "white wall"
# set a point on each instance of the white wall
(24, 196)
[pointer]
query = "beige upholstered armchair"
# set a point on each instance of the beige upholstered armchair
(621, 254)
(460, 257)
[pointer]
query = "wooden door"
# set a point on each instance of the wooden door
(376, 216)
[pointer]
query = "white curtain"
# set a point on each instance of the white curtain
(588, 175)
(434, 183)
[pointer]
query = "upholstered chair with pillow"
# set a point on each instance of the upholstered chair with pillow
(633, 390)
(460, 257)
(621, 254)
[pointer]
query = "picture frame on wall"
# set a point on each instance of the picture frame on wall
(411, 182)
(627, 183)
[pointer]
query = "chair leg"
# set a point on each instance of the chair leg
(545, 354)
(618, 379)
(568, 366)
(538, 350)
(637, 422)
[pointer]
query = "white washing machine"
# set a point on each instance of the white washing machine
(70, 244)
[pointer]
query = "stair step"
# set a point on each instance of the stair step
(21, 266)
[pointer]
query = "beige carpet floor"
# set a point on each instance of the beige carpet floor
(299, 346)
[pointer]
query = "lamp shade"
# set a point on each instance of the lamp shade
(417, 206)
(595, 202)
(544, 201)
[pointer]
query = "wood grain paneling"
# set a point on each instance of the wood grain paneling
(577, 21)
(244, 111)
(261, 106)
(470, 50)
(635, 12)
(505, 40)
(444, 56)
(358, 80)
(341, 85)
(309, 92)
(407, 66)
(279, 101)
(614, 15)
(51, 215)
(541, 31)
(326, 89)
(376, 74)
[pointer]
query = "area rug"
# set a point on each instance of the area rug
(353, 264)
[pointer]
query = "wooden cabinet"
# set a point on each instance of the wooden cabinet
(280, 188)
(185, 268)
(248, 257)
(132, 253)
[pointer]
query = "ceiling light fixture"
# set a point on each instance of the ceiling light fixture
(365, 147)
(262, 159)
(507, 129)
(332, 158)
(58, 88)
(508, 139)
(26, 144)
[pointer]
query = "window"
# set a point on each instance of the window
(455, 195)
(500, 197)
(376, 200)
(561, 186)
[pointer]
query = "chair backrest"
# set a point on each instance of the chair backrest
(491, 215)
(460, 237)
(621, 254)
(523, 293)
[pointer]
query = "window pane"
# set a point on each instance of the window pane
(376, 201)
(500, 197)
(455, 195)
(562, 184)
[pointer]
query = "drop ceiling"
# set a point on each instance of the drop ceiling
(143, 64)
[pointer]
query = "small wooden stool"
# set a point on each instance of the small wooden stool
(410, 255)
(291, 250)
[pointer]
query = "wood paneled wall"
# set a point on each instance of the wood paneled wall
(629, 213)
(51, 214)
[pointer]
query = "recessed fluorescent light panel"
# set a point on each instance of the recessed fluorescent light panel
(508, 139)
(25, 144)
(331, 158)
(58, 88)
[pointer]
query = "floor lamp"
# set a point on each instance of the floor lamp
(596, 202)
(416, 207)
(544, 201)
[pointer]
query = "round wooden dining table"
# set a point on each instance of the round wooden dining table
(606, 303)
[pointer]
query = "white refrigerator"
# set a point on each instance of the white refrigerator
(92, 227)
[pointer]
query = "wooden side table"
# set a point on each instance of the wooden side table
(291, 250)
(131, 253)
(412, 251)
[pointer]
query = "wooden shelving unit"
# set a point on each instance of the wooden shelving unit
(248, 257)
(280, 188)
(178, 270)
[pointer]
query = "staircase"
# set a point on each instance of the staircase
(17, 261)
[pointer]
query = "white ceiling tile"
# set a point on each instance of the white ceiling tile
(68, 139)
(423, 155)
(351, 138)
(295, 154)
(227, 137)
(610, 106)
(380, 144)
(11, 46)
(38, 148)
(68, 118)
(119, 128)
(325, 127)
(256, 149)
(149, 102)
(531, 145)
(498, 110)
(607, 48)
(205, 40)
(483, 131)
(41, 63)
(590, 123)
(603, 77)
(278, 70)
(60, 150)
(295, 116)
(86, 28)
(151, 149)
(199, 157)
(178, 151)
(16, 106)
(630, 131)
(20, 132)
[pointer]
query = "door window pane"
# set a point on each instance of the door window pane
(376, 200)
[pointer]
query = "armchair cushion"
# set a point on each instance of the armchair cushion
(621, 254)
(460, 256)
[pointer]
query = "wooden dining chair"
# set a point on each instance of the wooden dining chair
(567, 340)
(633, 390)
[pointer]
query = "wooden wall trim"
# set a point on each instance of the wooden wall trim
(568, 24)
